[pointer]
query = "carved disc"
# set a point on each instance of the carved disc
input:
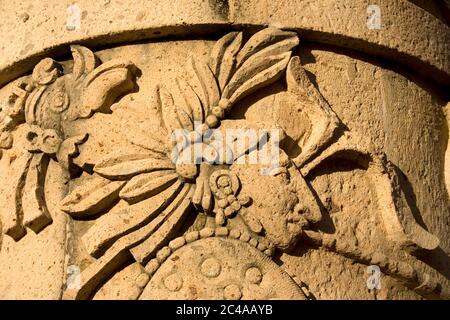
(220, 268)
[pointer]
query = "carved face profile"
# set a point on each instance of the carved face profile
(283, 203)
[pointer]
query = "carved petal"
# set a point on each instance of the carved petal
(270, 41)
(202, 197)
(96, 273)
(85, 201)
(207, 199)
(191, 101)
(255, 74)
(153, 143)
(168, 111)
(173, 217)
(223, 57)
(198, 193)
(127, 166)
(210, 91)
(184, 119)
(110, 227)
(147, 184)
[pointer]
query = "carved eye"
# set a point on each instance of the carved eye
(58, 101)
(281, 172)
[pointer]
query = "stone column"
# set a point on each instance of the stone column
(95, 203)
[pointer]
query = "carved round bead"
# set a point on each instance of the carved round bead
(206, 233)
(142, 280)
(269, 252)
(222, 203)
(253, 275)
(177, 243)
(223, 181)
(221, 232)
(218, 112)
(253, 242)
(235, 234)
(228, 191)
(221, 195)
(229, 211)
(224, 104)
(152, 266)
(191, 236)
(236, 205)
(220, 218)
(187, 171)
(212, 121)
(163, 254)
(211, 267)
(244, 237)
(232, 292)
(173, 282)
(262, 247)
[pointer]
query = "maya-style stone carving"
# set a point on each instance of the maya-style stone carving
(212, 178)
(40, 112)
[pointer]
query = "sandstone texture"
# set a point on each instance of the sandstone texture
(221, 149)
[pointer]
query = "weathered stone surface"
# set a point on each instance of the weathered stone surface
(232, 135)
(31, 30)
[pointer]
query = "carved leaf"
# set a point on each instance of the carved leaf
(268, 42)
(110, 227)
(198, 193)
(191, 101)
(85, 201)
(255, 74)
(170, 220)
(154, 142)
(103, 85)
(326, 122)
(84, 61)
(127, 166)
(207, 199)
(223, 57)
(147, 185)
(399, 221)
(168, 111)
(96, 273)
(210, 91)
(184, 119)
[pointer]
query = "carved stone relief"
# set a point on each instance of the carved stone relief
(128, 152)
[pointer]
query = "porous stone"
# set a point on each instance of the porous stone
(239, 150)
